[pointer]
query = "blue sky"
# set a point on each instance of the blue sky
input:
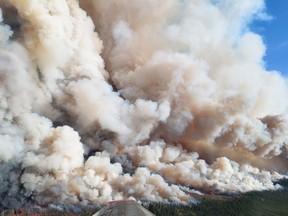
(275, 35)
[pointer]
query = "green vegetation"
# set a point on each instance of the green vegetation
(260, 203)
(170, 209)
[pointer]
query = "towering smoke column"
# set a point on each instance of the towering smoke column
(104, 100)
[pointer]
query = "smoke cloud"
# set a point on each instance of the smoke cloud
(104, 100)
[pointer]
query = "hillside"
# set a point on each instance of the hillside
(264, 203)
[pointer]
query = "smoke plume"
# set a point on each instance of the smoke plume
(104, 100)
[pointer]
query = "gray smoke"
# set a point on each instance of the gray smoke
(104, 100)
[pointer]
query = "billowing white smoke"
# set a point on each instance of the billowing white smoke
(174, 93)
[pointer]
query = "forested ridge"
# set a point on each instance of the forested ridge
(264, 203)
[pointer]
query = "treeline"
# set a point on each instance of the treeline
(207, 207)
(170, 209)
(264, 203)
(260, 203)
